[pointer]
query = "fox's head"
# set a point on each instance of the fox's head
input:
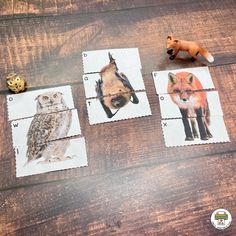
(171, 44)
(182, 87)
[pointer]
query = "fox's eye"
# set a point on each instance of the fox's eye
(188, 91)
(176, 91)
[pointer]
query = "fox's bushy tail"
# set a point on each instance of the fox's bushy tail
(206, 54)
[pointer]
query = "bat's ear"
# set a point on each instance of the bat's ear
(135, 98)
(189, 78)
(112, 60)
(172, 78)
(107, 109)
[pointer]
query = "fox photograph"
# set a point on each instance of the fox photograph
(187, 93)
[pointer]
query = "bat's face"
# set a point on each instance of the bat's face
(117, 101)
(49, 99)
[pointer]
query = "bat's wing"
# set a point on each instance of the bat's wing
(122, 77)
(100, 97)
(38, 135)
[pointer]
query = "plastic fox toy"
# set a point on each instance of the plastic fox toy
(174, 45)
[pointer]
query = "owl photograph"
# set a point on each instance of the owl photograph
(51, 121)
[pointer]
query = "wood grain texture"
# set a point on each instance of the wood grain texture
(48, 50)
(133, 185)
(170, 199)
(26, 8)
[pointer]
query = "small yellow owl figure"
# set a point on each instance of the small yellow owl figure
(16, 83)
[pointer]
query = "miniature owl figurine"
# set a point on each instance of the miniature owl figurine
(52, 121)
(16, 83)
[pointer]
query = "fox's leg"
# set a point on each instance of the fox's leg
(187, 129)
(193, 123)
(201, 124)
(193, 55)
(172, 57)
(207, 128)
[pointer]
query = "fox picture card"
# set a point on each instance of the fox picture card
(97, 114)
(20, 129)
(202, 74)
(170, 103)
(126, 58)
(90, 82)
(174, 133)
(74, 155)
(25, 105)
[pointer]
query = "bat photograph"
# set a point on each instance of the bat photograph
(114, 90)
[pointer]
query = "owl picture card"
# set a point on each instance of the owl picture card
(55, 155)
(44, 126)
(21, 129)
(40, 101)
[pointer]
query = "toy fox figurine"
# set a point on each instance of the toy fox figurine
(175, 45)
(186, 92)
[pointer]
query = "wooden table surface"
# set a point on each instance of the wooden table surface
(133, 185)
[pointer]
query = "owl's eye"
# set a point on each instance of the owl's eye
(45, 98)
(55, 95)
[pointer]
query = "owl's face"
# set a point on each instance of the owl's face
(50, 101)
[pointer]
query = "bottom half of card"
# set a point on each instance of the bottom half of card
(118, 107)
(200, 130)
(55, 155)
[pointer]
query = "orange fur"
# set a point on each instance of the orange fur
(185, 87)
(174, 45)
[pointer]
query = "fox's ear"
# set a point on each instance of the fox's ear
(176, 41)
(189, 78)
(172, 78)
(169, 37)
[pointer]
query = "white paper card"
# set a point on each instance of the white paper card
(169, 109)
(25, 104)
(174, 134)
(202, 73)
(21, 127)
(75, 157)
(97, 114)
(134, 76)
(125, 58)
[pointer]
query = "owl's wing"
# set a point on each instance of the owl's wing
(38, 135)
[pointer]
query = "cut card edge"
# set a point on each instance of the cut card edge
(69, 86)
(22, 176)
(82, 166)
(108, 49)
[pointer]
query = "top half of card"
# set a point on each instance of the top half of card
(125, 58)
(170, 81)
